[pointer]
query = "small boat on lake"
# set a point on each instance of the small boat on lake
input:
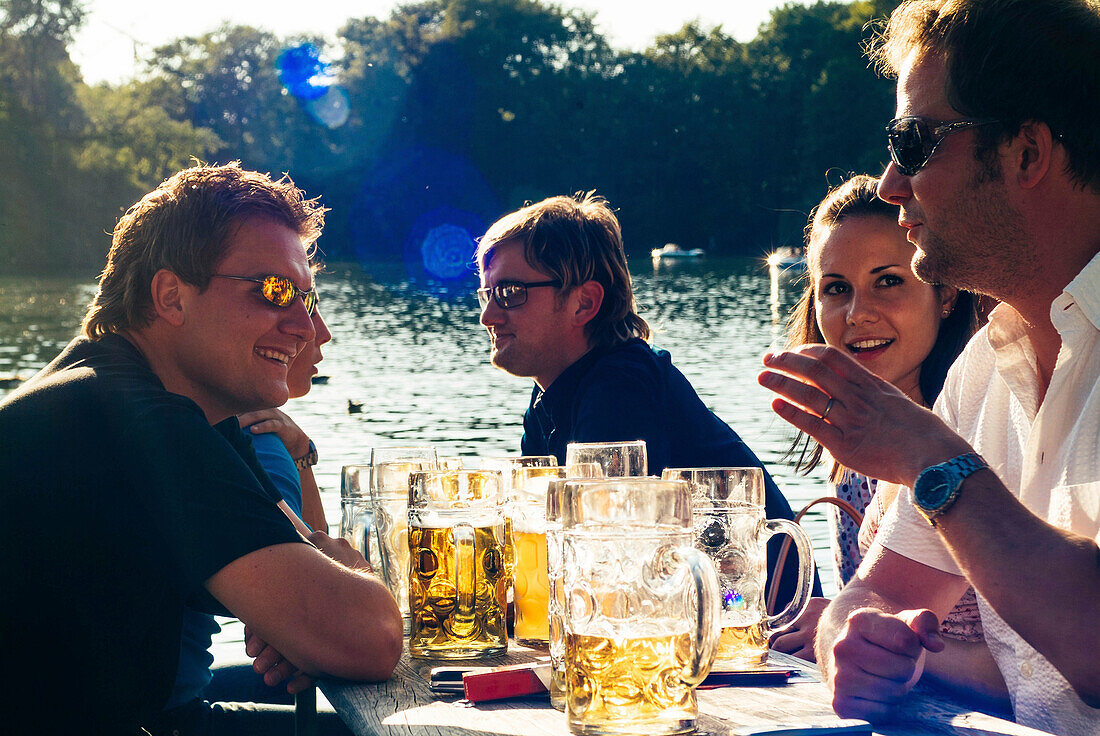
(671, 251)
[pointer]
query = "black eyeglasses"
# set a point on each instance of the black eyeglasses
(913, 140)
(279, 290)
(511, 294)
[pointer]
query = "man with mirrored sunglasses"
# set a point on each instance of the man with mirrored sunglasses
(558, 304)
(127, 446)
(996, 168)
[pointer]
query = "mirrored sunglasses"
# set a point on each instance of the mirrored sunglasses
(279, 290)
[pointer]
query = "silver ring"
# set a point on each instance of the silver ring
(828, 407)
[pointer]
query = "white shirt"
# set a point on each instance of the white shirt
(1048, 455)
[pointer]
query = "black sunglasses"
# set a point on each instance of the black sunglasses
(511, 294)
(279, 290)
(913, 140)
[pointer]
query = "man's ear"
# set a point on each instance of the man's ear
(587, 298)
(1032, 150)
(169, 293)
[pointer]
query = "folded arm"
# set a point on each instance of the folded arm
(320, 614)
(873, 638)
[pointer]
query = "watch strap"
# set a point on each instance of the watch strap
(309, 459)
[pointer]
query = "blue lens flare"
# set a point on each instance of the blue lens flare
(447, 250)
(308, 79)
(732, 600)
(302, 72)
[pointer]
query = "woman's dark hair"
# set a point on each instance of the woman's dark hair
(857, 197)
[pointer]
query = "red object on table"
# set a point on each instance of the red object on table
(504, 682)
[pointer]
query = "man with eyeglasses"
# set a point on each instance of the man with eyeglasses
(557, 302)
(130, 492)
(996, 167)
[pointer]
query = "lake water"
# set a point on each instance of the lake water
(415, 357)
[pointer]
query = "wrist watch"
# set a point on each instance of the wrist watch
(309, 459)
(937, 487)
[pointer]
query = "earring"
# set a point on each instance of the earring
(946, 312)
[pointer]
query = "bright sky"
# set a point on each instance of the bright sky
(116, 30)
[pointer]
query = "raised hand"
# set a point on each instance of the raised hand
(864, 422)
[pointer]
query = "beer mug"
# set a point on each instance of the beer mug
(357, 514)
(530, 587)
(509, 467)
(729, 525)
(618, 459)
(389, 495)
(530, 582)
(642, 607)
(556, 493)
(457, 580)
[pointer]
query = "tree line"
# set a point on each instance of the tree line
(440, 118)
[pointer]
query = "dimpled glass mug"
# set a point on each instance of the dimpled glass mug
(457, 578)
(729, 526)
(357, 513)
(389, 491)
(641, 608)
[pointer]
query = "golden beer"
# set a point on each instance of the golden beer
(746, 645)
(457, 602)
(629, 685)
(531, 588)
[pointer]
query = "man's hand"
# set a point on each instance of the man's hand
(798, 638)
(275, 668)
(340, 550)
(273, 420)
(865, 423)
(878, 658)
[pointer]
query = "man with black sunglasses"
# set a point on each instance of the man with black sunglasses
(557, 302)
(995, 163)
(130, 493)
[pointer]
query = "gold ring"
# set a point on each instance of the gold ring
(828, 407)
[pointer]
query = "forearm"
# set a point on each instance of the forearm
(968, 667)
(321, 615)
(888, 582)
(313, 513)
(1031, 574)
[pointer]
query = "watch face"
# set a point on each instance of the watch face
(933, 488)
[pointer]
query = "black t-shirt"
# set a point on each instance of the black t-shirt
(119, 501)
(632, 391)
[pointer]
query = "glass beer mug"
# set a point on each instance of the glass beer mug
(357, 514)
(641, 608)
(457, 578)
(389, 493)
(729, 526)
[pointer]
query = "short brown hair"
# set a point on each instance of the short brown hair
(1011, 61)
(576, 239)
(184, 226)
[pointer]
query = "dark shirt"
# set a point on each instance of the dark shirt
(119, 502)
(633, 392)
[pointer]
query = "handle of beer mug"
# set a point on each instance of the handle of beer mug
(708, 613)
(465, 579)
(804, 547)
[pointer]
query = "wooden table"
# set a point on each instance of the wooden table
(405, 705)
